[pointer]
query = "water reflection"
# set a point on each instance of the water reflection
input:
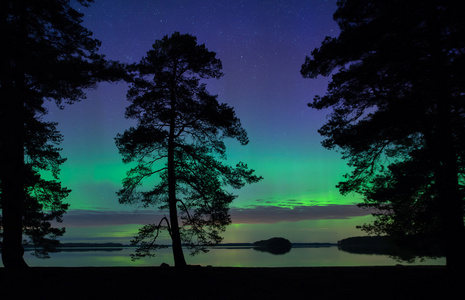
(227, 257)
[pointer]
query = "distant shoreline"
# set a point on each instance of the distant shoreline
(225, 245)
(84, 247)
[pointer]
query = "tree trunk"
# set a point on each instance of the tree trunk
(444, 154)
(12, 180)
(178, 254)
(12, 135)
(449, 194)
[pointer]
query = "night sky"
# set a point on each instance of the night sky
(262, 45)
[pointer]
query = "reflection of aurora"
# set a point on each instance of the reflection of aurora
(230, 257)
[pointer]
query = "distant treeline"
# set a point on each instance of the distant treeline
(78, 247)
(85, 245)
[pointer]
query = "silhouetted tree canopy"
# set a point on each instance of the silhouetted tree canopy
(43, 198)
(46, 55)
(44, 194)
(397, 97)
(179, 137)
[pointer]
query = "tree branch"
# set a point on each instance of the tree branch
(158, 229)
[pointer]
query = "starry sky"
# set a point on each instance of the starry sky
(262, 45)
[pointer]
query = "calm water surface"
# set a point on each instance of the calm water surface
(224, 257)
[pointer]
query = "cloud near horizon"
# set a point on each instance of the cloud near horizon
(275, 214)
(249, 215)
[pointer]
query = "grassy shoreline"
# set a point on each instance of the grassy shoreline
(401, 282)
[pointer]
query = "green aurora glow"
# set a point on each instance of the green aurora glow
(262, 47)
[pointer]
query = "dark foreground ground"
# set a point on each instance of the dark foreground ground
(394, 283)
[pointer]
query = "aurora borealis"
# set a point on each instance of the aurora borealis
(262, 45)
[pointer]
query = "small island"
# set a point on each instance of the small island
(275, 245)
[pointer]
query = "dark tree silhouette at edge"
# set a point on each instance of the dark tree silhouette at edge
(43, 198)
(46, 55)
(397, 94)
(179, 136)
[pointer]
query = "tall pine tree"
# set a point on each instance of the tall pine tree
(179, 137)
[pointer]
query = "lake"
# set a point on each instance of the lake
(221, 257)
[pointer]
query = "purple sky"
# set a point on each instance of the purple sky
(262, 45)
